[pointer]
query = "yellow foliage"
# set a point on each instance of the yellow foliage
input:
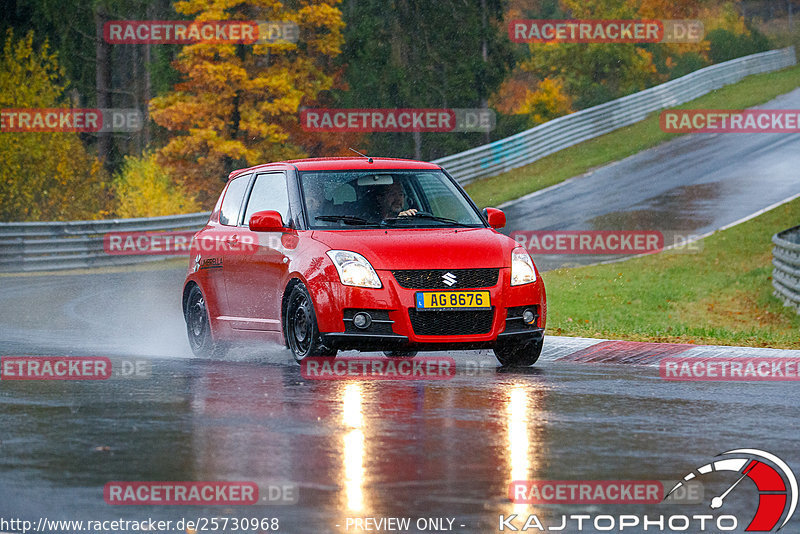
(238, 105)
(723, 17)
(547, 102)
(43, 176)
(145, 189)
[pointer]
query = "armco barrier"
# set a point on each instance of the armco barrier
(45, 246)
(786, 259)
(78, 244)
(528, 146)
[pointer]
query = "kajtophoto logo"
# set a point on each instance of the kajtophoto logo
(776, 483)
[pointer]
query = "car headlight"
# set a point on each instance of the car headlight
(522, 270)
(354, 269)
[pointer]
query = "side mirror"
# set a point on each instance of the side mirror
(266, 221)
(495, 217)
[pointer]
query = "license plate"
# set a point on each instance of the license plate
(453, 300)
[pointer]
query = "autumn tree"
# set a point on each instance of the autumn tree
(592, 73)
(411, 54)
(237, 104)
(143, 188)
(43, 175)
(100, 74)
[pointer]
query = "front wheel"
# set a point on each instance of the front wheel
(300, 326)
(520, 354)
(198, 327)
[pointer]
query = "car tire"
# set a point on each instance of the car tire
(399, 353)
(300, 326)
(519, 354)
(198, 327)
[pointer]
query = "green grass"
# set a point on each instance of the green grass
(620, 144)
(721, 295)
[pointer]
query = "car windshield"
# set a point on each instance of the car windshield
(350, 199)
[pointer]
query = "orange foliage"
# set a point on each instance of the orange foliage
(237, 105)
(547, 102)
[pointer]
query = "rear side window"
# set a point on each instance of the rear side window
(232, 203)
(269, 193)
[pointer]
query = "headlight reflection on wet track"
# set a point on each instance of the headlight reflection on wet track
(518, 429)
(353, 445)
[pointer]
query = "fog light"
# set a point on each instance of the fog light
(528, 316)
(362, 320)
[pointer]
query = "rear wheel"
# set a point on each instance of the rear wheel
(198, 327)
(400, 353)
(300, 326)
(519, 354)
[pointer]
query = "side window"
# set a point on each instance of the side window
(232, 203)
(269, 193)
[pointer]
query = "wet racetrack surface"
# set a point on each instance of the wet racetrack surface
(368, 448)
(691, 185)
(354, 448)
(363, 448)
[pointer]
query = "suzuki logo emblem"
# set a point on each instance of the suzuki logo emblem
(449, 279)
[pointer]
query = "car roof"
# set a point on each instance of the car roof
(346, 163)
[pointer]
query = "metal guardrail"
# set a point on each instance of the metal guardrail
(41, 246)
(528, 146)
(786, 259)
(45, 246)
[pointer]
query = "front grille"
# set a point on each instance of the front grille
(451, 323)
(436, 279)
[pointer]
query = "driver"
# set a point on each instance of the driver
(390, 201)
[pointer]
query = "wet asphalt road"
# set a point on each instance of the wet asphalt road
(354, 448)
(417, 449)
(378, 449)
(691, 185)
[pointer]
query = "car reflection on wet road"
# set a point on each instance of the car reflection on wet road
(368, 448)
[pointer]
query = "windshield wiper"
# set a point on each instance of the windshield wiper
(347, 219)
(423, 215)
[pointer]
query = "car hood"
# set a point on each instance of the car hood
(424, 248)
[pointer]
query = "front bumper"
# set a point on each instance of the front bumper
(397, 325)
(368, 342)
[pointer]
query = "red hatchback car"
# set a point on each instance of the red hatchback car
(360, 253)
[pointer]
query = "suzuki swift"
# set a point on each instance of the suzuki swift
(372, 254)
